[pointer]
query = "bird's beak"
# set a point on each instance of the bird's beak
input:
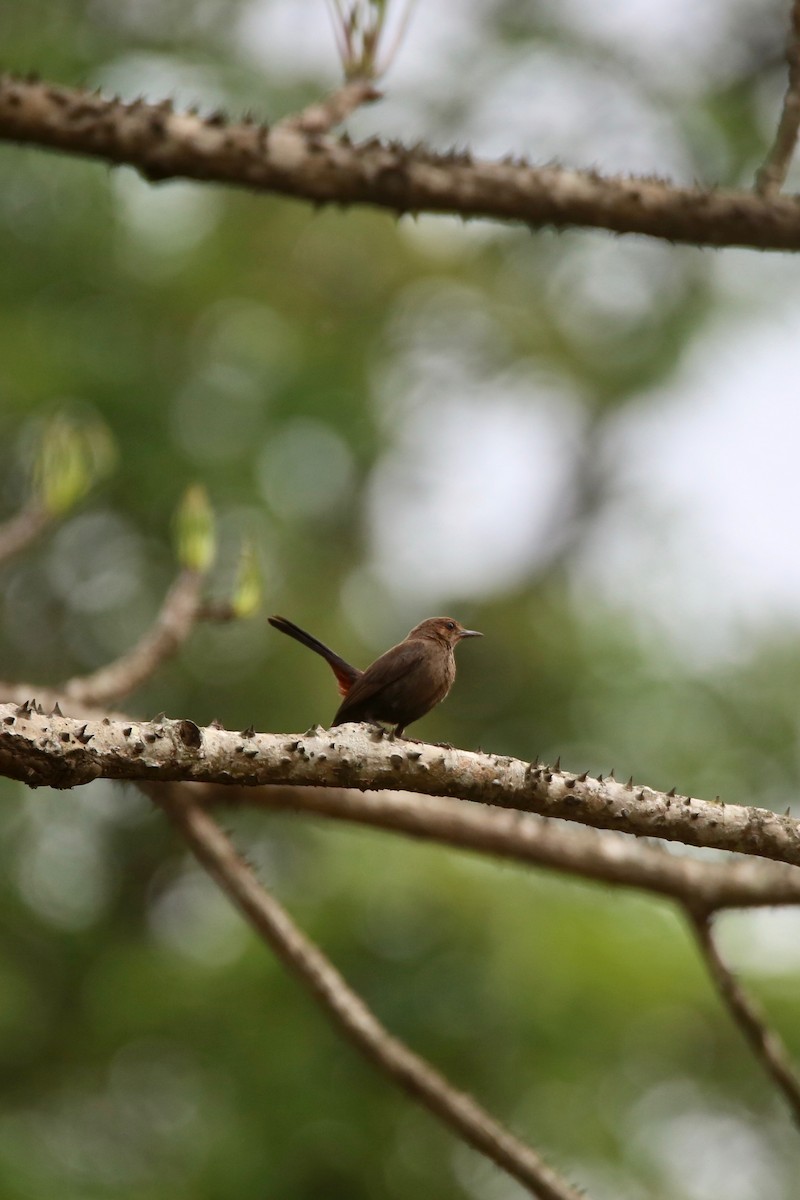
(469, 633)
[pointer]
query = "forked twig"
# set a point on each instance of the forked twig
(765, 1043)
(346, 1009)
(86, 696)
(175, 621)
(772, 174)
(359, 27)
(324, 115)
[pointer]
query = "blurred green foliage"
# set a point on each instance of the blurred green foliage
(149, 1046)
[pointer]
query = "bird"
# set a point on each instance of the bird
(403, 684)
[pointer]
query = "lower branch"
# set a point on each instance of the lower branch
(765, 1043)
(525, 838)
(346, 1009)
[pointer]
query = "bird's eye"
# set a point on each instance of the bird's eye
(451, 624)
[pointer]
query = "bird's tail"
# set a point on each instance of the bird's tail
(345, 673)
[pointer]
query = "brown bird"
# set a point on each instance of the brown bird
(403, 684)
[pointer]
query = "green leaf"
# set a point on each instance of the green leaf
(195, 532)
(247, 590)
(71, 456)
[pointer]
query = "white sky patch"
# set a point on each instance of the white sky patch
(464, 501)
(702, 538)
(278, 35)
(699, 539)
(699, 1149)
(679, 44)
(764, 941)
(156, 77)
(552, 105)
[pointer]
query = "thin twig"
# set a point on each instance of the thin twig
(359, 29)
(86, 696)
(324, 115)
(178, 615)
(772, 174)
(347, 1010)
(19, 531)
(765, 1043)
(163, 144)
(401, 29)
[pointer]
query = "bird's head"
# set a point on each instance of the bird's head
(442, 629)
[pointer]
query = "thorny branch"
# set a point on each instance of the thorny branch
(60, 752)
(765, 1043)
(163, 144)
(346, 1008)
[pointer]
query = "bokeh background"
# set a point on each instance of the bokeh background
(585, 446)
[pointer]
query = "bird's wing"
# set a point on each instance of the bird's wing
(386, 670)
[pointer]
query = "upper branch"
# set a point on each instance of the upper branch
(163, 144)
(60, 752)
